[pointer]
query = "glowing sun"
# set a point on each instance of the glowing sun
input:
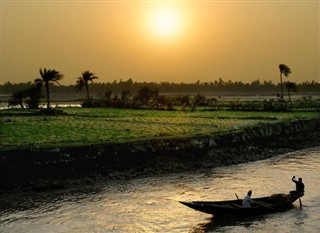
(165, 23)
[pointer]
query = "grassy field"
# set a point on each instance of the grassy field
(22, 128)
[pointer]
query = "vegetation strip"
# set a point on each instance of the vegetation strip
(77, 126)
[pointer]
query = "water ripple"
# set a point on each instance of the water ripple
(151, 204)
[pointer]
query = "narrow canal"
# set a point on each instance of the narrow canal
(151, 204)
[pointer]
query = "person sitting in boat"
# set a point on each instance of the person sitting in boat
(247, 201)
(299, 187)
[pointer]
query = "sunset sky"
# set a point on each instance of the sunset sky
(159, 41)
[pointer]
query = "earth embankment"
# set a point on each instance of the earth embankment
(29, 167)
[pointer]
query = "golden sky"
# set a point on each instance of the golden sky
(175, 41)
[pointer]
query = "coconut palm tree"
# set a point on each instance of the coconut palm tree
(83, 81)
(48, 76)
(284, 70)
(291, 87)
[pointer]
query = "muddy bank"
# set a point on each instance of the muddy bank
(48, 168)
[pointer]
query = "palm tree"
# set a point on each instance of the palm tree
(48, 76)
(291, 87)
(83, 81)
(285, 70)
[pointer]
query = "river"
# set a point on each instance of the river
(151, 204)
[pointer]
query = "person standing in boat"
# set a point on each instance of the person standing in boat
(247, 201)
(299, 187)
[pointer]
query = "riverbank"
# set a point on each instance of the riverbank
(55, 167)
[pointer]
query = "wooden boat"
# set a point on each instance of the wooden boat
(262, 205)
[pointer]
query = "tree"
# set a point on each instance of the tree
(34, 96)
(145, 94)
(31, 95)
(125, 96)
(48, 76)
(17, 98)
(284, 70)
(83, 81)
(184, 101)
(291, 87)
(198, 100)
(107, 97)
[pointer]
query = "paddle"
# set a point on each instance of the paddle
(300, 203)
(237, 196)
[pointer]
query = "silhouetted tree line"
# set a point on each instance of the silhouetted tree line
(255, 87)
(130, 94)
(150, 98)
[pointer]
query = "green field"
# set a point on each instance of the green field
(78, 126)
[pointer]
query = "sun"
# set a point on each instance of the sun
(165, 23)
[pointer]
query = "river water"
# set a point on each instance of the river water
(151, 204)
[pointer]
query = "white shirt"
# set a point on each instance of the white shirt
(246, 203)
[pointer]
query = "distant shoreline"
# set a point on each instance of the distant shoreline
(64, 99)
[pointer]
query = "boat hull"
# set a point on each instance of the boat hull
(261, 206)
